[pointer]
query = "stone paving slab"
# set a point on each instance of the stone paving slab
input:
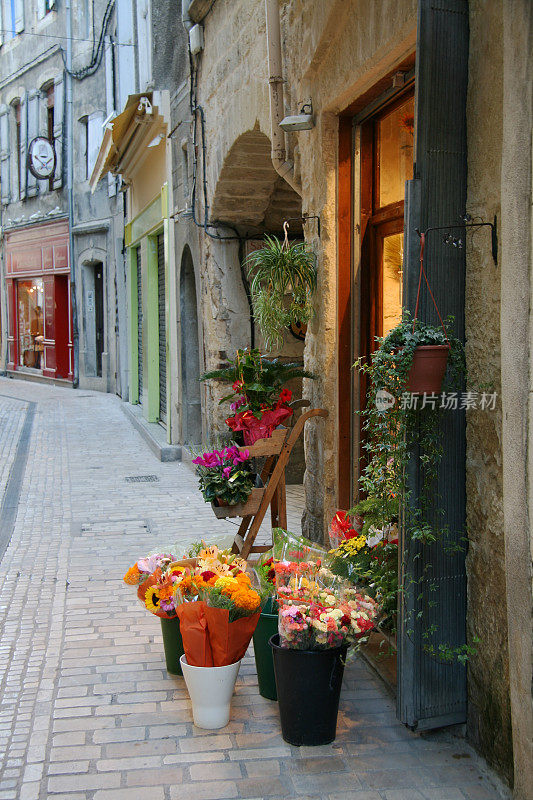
(88, 710)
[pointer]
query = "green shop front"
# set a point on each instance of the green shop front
(135, 146)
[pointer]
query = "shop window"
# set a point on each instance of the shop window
(30, 322)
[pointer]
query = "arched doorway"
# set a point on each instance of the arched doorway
(190, 354)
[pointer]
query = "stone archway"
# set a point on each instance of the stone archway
(190, 353)
(249, 192)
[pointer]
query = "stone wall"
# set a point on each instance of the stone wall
(489, 722)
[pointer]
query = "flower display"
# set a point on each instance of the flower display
(258, 400)
(317, 610)
(158, 589)
(341, 528)
(225, 475)
(371, 560)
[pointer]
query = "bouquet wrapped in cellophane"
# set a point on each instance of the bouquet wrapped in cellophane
(317, 610)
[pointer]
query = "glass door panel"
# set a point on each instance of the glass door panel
(30, 322)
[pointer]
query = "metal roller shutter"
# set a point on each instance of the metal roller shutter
(162, 329)
(139, 324)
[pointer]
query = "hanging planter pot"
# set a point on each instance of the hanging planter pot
(173, 644)
(428, 369)
(266, 628)
(210, 690)
(308, 684)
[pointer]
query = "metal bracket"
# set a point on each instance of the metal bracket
(467, 223)
(305, 218)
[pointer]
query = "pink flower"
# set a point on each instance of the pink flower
(227, 471)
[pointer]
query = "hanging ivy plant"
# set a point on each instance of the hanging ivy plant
(392, 432)
(282, 281)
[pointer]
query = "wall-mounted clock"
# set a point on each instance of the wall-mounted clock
(41, 158)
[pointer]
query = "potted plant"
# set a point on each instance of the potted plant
(157, 577)
(266, 627)
(279, 271)
(216, 628)
(227, 481)
(319, 618)
(397, 424)
(413, 357)
(258, 399)
(154, 579)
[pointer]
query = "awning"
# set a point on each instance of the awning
(119, 134)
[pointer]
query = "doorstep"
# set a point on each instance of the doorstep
(36, 377)
(153, 433)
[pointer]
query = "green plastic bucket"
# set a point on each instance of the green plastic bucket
(173, 644)
(266, 627)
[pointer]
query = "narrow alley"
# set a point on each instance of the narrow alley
(89, 711)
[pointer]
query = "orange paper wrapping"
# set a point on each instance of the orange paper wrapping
(193, 627)
(229, 640)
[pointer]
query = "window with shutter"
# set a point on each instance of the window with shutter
(125, 53)
(7, 9)
(430, 693)
(18, 8)
(144, 44)
(94, 139)
(5, 189)
(110, 101)
(44, 7)
(33, 131)
(14, 138)
(58, 125)
(23, 146)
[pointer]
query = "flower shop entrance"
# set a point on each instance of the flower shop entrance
(402, 167)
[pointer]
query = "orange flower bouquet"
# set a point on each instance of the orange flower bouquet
(218, 626)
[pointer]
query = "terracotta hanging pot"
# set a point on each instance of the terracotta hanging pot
(428, 369)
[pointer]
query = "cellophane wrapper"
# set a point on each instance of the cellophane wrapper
(318, 611)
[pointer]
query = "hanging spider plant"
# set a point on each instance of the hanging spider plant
(277, 270)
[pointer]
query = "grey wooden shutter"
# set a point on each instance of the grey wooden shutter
(5, 189)
(110, 101)
(19, 16)
(33, 130)
(431, 693)
(23, 145)
(59, 129)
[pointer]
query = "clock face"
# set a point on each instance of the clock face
(41, 158)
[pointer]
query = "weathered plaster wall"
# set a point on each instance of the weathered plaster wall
(516, 289)
(489, 723)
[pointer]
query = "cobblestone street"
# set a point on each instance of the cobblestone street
(88, 709)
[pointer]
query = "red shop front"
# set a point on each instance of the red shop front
(38, 296)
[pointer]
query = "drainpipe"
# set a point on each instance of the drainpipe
(186, 21)
(70, 198)
(281, 164)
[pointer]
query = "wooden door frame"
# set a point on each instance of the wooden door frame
(346, 269)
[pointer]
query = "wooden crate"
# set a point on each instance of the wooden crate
(247, 509)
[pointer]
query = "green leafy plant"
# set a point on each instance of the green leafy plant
(256, 381)
(391, 436)
(276, 271)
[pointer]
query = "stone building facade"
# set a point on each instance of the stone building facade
(62, 245)
(353, 61)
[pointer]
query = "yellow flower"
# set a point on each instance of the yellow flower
(151, 599)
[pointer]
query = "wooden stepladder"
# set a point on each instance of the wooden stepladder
(277, 450)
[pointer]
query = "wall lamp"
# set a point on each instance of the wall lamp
(303, 121)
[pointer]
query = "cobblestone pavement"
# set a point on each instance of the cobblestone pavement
(88, 710)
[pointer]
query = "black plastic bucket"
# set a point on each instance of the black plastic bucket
(309, 687)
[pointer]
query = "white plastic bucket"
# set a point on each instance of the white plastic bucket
(210, 690)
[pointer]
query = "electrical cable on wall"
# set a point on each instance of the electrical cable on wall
(96, 57)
